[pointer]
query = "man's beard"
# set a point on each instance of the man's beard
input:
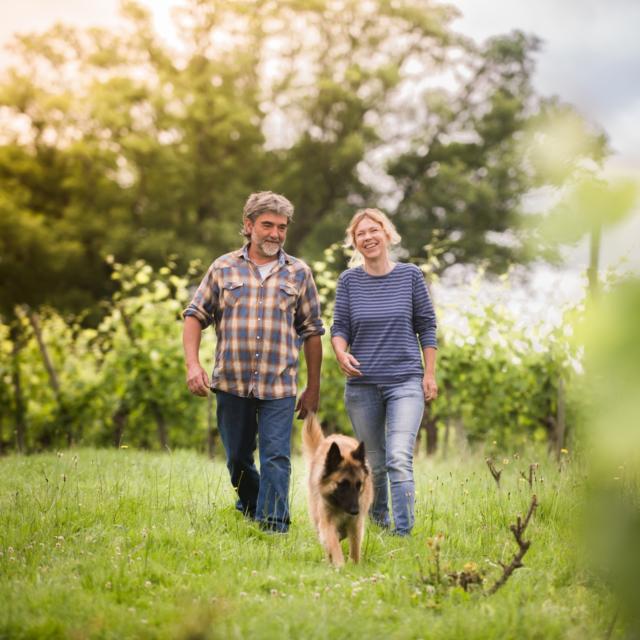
(270, 248)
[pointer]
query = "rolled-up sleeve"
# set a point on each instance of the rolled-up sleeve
(341, 320)
(308, 319)
(424, 316)
(205, 299)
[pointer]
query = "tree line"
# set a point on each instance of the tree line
(119, 143)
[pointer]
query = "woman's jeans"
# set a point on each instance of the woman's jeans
(387, 418)
(243, 423)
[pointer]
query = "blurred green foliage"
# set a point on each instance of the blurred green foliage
(611, 335)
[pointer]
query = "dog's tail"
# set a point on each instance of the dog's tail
(312, 435)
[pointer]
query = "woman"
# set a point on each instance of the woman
(381, 306)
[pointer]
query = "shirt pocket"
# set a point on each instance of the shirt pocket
(287, 296)
(231, 292)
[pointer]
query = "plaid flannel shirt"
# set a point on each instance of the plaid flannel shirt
(260, 324)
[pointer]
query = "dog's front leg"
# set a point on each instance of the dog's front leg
(332, 546)
(356, 533)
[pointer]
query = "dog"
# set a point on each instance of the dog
(340, 489)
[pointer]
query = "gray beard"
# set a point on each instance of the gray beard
(270, 248)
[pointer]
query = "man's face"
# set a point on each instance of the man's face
(268, 234)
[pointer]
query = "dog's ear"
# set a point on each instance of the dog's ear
(358, 453)
(333, 460)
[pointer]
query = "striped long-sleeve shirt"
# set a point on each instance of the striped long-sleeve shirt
(386, 321)
(260, 324)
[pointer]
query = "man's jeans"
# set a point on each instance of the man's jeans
(243, 421)
(387, 417)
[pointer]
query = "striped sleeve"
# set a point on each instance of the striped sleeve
(341, 319)
(424, 316)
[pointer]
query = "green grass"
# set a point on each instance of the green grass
(114, 544)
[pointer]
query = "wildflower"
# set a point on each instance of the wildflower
(124, 446)
(148, 584)
(564, 451)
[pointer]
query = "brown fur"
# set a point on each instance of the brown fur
(340, 489)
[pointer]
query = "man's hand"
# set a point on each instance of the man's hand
(348, 364)
(430, 387)
(197, 380)
(308, 402)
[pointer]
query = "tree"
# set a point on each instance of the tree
(119, 145)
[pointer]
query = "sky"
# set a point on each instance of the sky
(590, 57)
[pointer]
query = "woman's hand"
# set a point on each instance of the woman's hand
(348, 364)
(430, 387)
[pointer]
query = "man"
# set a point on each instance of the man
(264, 304)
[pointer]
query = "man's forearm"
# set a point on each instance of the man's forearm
(191, 335)
(313, 358)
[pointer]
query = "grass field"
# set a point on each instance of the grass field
(116, 544)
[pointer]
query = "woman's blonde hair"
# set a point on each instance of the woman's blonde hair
(377, 216)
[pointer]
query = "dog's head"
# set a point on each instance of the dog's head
(344, 478)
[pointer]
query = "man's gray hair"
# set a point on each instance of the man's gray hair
(266, 202)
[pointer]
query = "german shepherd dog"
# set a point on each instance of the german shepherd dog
(340, 489)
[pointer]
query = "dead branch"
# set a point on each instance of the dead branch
(532, 474)
(496, 473)
(518, 530)
(468, 577)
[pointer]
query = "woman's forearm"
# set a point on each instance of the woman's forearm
(430, 361)
(339, 345)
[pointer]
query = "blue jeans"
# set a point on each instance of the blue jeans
(243, 423)
(387, 418)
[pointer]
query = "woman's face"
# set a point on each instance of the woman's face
(370, 239)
